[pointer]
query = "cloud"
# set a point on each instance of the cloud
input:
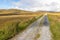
(33, 5)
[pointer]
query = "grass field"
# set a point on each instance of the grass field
(55, 25)
(12, 24)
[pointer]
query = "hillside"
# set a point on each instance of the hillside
(14, 11)
(17, 11)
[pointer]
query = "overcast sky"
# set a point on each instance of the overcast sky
(31, 5)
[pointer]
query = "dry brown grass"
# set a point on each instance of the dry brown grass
(12, 24)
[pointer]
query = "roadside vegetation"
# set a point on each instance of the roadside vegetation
(10, 25)
(55, 26)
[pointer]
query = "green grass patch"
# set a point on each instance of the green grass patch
(55, 26)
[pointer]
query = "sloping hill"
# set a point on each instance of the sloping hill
(10, 11)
